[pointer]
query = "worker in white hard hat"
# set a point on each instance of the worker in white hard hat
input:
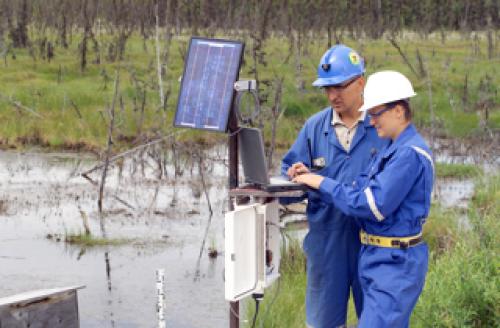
(392, 201)
(337, 142)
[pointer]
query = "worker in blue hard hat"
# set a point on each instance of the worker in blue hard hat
(338, 142)
(392, 201)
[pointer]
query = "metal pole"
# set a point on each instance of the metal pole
(234, 307)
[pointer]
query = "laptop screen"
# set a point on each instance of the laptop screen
(253, 158)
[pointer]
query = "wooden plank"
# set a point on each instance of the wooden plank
(55, 308)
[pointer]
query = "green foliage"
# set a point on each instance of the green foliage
(462, 286)
(304, 105)
(441, 230)
(461, 290)
(457, 170)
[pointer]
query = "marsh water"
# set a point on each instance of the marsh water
(159, 221)
(44, 199)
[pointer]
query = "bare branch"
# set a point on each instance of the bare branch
(128, 152)
(396, 45)
(19, 105)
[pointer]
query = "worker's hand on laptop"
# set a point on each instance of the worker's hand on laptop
(310, 179)
(297, 169)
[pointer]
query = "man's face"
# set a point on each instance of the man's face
(346, 97)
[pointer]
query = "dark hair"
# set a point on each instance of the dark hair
(406, 106)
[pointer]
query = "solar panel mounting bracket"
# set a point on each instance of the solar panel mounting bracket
(245, 85)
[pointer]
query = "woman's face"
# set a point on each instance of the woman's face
(387, 120)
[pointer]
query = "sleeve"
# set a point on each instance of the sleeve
(382, 194)
(297, 153)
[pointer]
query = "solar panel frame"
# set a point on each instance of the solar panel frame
(196, 113)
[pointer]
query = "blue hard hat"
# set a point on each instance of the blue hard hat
(339, 64)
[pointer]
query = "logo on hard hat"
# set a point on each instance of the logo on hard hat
(325, 67)
(354, 58)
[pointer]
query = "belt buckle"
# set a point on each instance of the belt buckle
(404, 244)
(398, 243)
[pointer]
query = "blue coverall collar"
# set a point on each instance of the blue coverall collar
(407, 133)
(361, 131)
(327, 123)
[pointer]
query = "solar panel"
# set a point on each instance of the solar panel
(207, 87)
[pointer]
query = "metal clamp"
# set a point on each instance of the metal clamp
(245, 85)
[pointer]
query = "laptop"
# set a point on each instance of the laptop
(253, 159)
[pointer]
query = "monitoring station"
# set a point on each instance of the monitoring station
(208, 100)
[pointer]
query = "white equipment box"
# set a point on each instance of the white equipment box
(252, 249)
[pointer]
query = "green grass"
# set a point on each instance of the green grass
(283, 304)
(462, 286)
(457, 170)
(441, 231)
(52, 88)
(87, 240)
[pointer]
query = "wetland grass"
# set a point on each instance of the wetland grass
(460, 171)
(462, 284)
(87, 240)
(73, 104)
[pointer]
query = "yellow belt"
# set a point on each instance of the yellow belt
(392, 242)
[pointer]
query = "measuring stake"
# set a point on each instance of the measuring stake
(160, 292)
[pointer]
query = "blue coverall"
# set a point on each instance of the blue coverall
(332, 243)
(392, 200)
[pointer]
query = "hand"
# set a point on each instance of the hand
(297, 169)
(310, 179)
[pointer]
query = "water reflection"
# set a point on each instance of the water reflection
(454, 192)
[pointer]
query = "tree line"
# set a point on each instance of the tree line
(371, 18)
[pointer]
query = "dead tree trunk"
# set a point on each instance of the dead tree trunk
(19, 32)
(276, 113)
(86, 35)
(158, 60)
(110, 142)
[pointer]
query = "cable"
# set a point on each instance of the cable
(257, 298)
(251, 118)
(235, 132)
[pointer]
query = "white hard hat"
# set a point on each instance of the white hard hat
(385, 87)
